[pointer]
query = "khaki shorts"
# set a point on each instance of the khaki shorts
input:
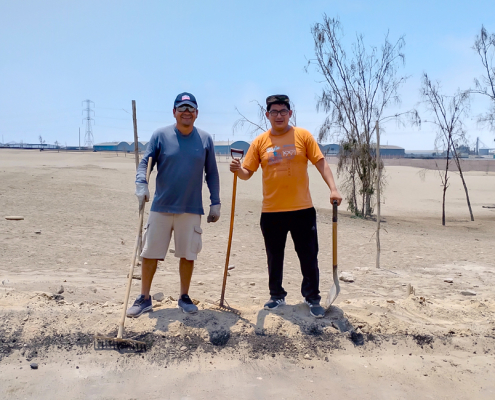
(158, 233)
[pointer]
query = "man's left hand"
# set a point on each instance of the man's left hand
(335, 195)
(214, 214)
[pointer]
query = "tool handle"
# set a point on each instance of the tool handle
(133, 262)
(227, 258)
(237, 154)
(334, 233)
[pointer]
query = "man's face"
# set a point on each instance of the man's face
(185, 115)
(279, 121)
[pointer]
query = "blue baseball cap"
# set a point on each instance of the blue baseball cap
(185, 98)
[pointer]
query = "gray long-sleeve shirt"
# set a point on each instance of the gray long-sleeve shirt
(180, 160)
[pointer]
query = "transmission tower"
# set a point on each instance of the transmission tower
(88, 137)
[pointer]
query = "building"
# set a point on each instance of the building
(391, 151)
(486, 152)
(223, 148)
(127, 147)
(329, 149)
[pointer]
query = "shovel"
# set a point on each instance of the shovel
(335, 289)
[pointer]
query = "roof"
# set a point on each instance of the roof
(385, 147)
(117, 143)
(228, 143)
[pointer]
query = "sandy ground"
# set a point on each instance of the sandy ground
(80, 218)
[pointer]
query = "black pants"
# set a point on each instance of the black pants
(302, 226)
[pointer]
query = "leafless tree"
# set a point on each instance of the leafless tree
(485, 47)
(262, 123)
(448, 112)
(40, 138)
(357, 91)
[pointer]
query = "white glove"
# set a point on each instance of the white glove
(142, 193)
(214, 214)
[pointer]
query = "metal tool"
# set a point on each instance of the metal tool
(119, 342)
(236, 154)
(335, 289)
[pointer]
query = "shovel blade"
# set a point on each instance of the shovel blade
(334, 290)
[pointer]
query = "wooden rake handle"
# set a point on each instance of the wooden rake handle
(133, 262)
(237, 155)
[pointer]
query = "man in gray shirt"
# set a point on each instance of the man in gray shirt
(181, 153)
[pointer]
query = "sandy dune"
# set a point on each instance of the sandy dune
(80, 217)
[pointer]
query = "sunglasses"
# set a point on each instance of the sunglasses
(186, 108)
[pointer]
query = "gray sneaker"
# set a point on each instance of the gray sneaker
(315, 309)
(273, 304)
(186, 304)
(140, 306)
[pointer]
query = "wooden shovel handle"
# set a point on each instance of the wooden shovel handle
(334, 233)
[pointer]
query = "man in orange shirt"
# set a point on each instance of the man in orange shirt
(283, 152)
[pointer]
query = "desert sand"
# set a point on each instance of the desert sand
(376, 341)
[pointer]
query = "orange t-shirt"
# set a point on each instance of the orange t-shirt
(284, 161)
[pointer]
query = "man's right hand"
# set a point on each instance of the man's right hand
(142, 193)
(235, 165)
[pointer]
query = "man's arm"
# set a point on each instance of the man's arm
(143, 165)
(242, 173)
(326, 174)
(211, 173)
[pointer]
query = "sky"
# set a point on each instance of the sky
(229, 54)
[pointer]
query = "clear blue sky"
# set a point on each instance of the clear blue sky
(55, 54)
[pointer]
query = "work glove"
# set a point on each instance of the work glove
(214, 214)
(142, 193)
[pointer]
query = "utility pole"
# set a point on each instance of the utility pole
(136, 146)
(378, 175)
(477, 146)
(79, 138)
(88, 137)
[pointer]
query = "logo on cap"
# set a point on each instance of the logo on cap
(186, 97)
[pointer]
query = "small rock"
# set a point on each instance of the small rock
(252, 283)
(37, 232)
(171, 251)
(25, 318)
(94, 290)
(346, 277)
(33, 366)
(183, 348)
(390, 301)
(468, 293)
(307, 357)
(159, 297)
(195, 302)
(60, 290)
(231, 267)
(200, 283)
(448, 280)
(171, 298)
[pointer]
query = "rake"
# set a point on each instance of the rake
(107, 342)
(222, 303)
